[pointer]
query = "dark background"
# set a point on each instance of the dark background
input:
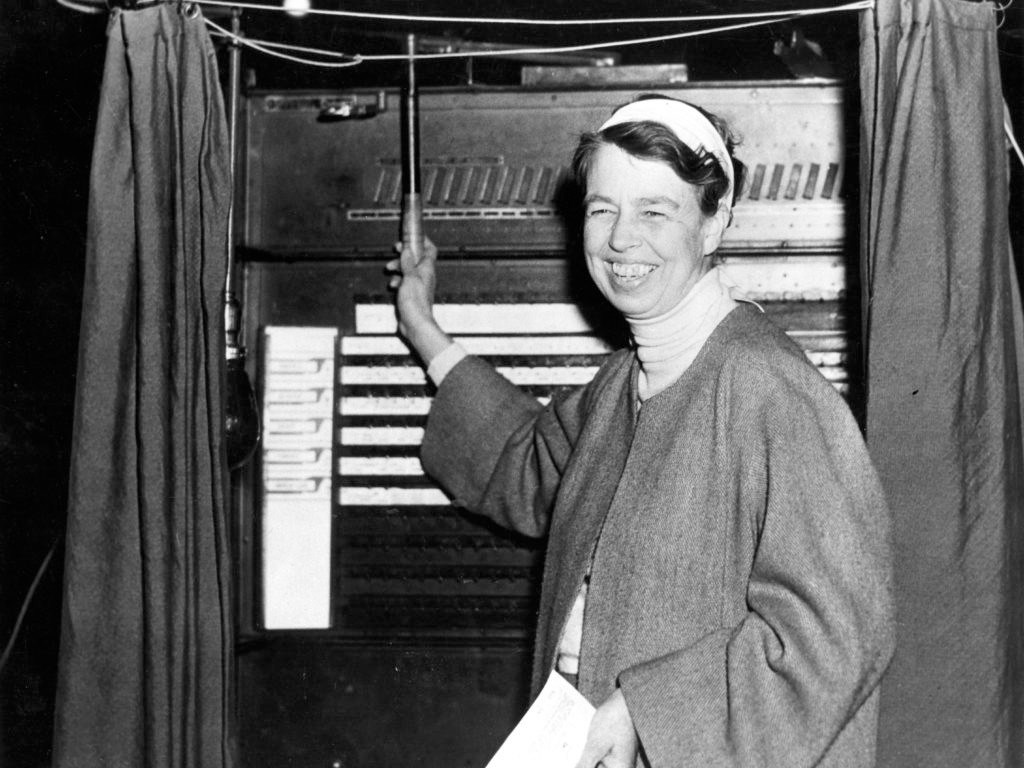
(51, 61)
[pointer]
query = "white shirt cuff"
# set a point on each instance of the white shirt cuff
(444, 361)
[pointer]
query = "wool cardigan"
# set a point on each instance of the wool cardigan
(734, 530)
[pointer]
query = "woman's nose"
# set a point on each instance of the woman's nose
(623, 235)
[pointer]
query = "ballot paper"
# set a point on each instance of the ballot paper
(551, 733)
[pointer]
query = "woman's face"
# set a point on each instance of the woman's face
(644, 236)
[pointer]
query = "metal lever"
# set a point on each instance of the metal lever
(412, 205)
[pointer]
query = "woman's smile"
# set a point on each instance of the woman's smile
(631, 274)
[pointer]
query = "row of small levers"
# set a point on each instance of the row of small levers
(503, 185)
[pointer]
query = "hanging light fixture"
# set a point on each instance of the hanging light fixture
(296, 8)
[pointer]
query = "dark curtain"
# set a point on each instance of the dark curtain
(145, 667)
(943, 410)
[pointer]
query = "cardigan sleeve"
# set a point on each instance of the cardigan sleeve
(496, 450)
(780, 686)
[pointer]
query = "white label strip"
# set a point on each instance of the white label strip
(321, 439)
(296, 558)
(380, 465)
(305, 366)
(381, 436)
(280, 382)
(295, 397)
(781, 223)
(291, 427)
(793, 278)
(485, 345)
(319, 404)
(482, 318)
(384, 406)
(277, 477)
(385, 374)
(834, 374)
(352, 375)
(834, 359)
(299, 487)
(300, 341)
(820, 340)
(535, 345)
(296, 434)
(301, 456)
(393, 214)
(393, 406)
(307, 463)
(557, 376)
(310, 487)
(381, 497)
(373, 345)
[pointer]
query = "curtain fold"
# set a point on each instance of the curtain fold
(146, 645)
(943, 413)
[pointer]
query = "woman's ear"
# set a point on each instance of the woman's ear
(714, 229)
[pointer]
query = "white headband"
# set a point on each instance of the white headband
(687, 122)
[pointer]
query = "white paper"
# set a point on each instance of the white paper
(552, 732)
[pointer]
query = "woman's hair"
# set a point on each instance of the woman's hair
(648, 140)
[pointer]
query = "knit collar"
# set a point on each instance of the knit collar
(666, 345)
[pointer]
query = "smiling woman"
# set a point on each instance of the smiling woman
(717, 579)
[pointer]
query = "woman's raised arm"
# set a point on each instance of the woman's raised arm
(414, 281)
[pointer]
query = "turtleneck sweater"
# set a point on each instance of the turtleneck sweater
(666, 345)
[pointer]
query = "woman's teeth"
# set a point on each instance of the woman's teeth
(631, 271)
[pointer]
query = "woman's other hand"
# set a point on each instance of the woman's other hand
(414, 280)
(611, 740)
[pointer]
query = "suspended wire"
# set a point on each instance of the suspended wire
(859, 5)
(1012, 139)
(271, 49)
(583, 46)
(274, 49)
(84, 7)
(28, 599)
(1000, 11)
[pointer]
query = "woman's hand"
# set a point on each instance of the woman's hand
(414, 280)
(611, 740)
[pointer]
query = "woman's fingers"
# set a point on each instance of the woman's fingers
(592, 755)
(414, 258)
(611, 738)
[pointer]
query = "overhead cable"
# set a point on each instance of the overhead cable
(854, 6)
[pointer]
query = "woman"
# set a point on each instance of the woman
(717, 579)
